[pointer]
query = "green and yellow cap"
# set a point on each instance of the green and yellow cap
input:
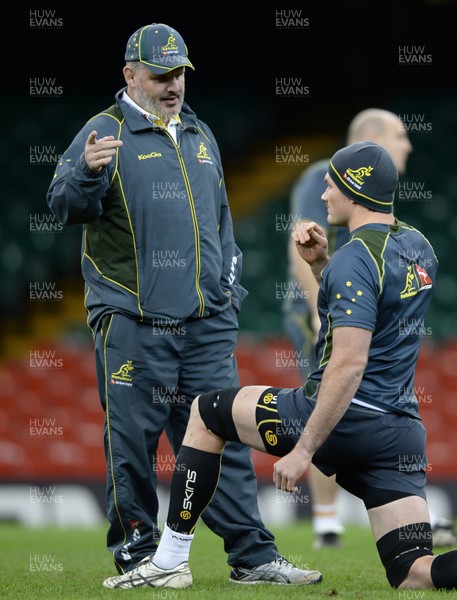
(159, 47)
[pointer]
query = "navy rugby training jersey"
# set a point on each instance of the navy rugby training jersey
(381, 280)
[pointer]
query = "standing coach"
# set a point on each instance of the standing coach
(162, 292)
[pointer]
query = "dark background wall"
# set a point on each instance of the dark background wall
(347, 54)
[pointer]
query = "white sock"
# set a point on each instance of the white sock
(325, 519)
(174, 549)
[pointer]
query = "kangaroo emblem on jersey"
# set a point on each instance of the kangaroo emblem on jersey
(417, 279)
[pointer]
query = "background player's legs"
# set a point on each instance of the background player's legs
(210, 364)
(444, 533)
(326, 521)
(324, 490)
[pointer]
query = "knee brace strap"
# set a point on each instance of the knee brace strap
(399, 548)
(216, 411)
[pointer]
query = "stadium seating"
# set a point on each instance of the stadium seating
(51, 421)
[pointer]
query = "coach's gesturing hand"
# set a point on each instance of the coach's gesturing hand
(99, 153)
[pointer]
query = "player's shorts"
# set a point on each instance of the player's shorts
(378, 457)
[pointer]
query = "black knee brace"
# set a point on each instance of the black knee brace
(216, 411)
(399, 548)
(444, 571)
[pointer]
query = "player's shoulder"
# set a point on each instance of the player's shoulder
(350, 249)
(372, 238)
(376, 244)
(412, 231)
(419, 240)
(354, 262)
(365, 245)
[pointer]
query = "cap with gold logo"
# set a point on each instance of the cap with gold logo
(159, 47)
(365, 172)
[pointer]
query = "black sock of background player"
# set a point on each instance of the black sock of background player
(194, 482)
(444, 571)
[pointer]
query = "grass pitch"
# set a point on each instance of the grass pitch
(54, 563)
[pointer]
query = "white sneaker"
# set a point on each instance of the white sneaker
(279, 572)
(444, 534)
(148, 574)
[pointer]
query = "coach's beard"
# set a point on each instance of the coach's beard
(155, 106)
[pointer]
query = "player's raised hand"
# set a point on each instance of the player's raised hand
(99, 153)
(311, 242)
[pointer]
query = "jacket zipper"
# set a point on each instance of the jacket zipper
(196, 229)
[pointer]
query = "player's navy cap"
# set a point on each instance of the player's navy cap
(365, 173)
(159, 47)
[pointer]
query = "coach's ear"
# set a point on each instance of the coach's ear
(129, 75)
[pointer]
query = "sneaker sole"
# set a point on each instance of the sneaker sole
(265, 582)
